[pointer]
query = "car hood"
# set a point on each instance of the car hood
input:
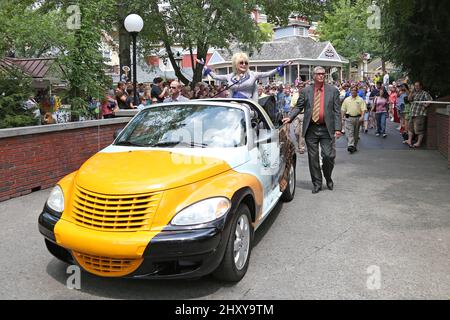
(118, 170)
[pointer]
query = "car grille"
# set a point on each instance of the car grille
(114, 212)
(106, 266)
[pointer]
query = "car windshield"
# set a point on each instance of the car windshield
(186, 126)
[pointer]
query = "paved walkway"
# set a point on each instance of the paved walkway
(383, 233)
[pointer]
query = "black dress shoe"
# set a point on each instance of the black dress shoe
(316, 189)
(330, 184)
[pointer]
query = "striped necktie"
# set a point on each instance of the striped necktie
(316, 108)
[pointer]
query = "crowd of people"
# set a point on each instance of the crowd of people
(122, 97)
(366, 105)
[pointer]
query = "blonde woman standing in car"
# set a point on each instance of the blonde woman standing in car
(242, 83)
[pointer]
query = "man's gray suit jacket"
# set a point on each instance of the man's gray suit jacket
(332, 108)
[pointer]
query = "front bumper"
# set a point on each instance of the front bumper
(173, 252)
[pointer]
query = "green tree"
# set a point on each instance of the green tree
(345, 26)
(73, 36)
(79, 49)
(267, 31)
(198, 25)
(278, 12)
(14, 91)
(83, 61)
(30, 34)
(416, 33)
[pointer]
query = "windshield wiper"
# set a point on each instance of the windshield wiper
(129, 143)
(181, 143)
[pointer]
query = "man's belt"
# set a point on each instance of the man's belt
(349, 116)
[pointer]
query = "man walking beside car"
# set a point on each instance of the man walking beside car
(321, 125)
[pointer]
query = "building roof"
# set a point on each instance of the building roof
(375, 65)
(34, 67)
(289, 48)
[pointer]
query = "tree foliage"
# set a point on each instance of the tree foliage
(82, 59)
(197, 25)
(28, 32)
(14, 91)
(416, 32)
(345, 26)
(47, 26)
(278, 12)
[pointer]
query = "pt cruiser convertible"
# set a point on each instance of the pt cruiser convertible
(178, 194)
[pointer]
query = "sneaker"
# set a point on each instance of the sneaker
(384, 135)
(365, 131)
(377, 134)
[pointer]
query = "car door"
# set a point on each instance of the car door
(269, 164)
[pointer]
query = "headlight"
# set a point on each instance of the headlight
(56, 199)
(202, 212)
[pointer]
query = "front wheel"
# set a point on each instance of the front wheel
(235, 262)
(288, 194)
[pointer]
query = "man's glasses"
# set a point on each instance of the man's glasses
(243, 63)
(173, 88)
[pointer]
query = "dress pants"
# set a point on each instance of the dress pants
(318, 134)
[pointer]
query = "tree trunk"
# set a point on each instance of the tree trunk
(198, 71)
(124, 43)
(176, 68)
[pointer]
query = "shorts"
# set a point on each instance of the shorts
(417, 125)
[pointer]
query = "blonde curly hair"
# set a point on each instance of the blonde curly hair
(237, 57)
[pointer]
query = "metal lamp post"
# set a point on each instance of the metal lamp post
(134, 24)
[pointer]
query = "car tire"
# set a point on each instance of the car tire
(288, 194)
(239, 247)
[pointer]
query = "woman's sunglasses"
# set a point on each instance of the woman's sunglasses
(243, 63)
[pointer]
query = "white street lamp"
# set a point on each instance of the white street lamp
(134, 24)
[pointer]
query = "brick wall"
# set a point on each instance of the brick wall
(438, 126)
(443, 135)
(431, 134)
(31, 162)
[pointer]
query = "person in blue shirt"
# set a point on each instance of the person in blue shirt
(287, 101)
(362, 92)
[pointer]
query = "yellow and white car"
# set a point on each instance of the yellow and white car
(178, 194)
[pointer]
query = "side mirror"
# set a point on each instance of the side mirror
(116, 133)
